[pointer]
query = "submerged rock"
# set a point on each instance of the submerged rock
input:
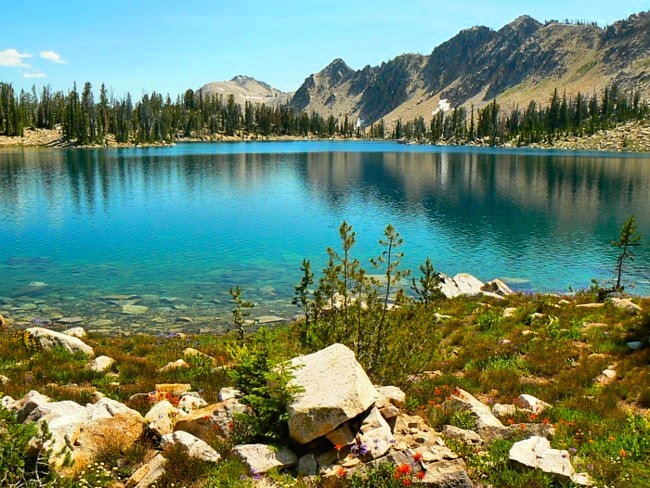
(335, 389)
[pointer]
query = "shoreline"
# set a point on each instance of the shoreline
(630, 138)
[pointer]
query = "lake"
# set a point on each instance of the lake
(179, 225)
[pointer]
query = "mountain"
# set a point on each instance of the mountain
(246, 89)
(523, 61)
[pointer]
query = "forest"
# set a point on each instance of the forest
(155, 118)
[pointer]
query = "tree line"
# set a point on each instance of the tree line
(154, 117)
(564, 115)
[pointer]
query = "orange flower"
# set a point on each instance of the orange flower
(562, 421)
(338, 447)
(438, 406)
(431, 402)
(571, 424)
(417, 457)
(421, 475)
(341, 472)
(533, 416)
(591, 441)
(522, 426)
(206, 418)
(406, 481)
(623, 452)
(404, 468)
(397, 475)
(547, 421)
(611, 437)
(510, 421)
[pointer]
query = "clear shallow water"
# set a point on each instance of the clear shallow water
(190, 221)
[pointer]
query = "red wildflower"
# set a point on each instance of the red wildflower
(406, 481)
(338, 447)
(623, 452)
(522, 426)
(404, 468)
(417, 457)
(510, 421)
(547, 421)
(421, 475)
(341, 472)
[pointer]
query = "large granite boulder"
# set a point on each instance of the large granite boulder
(375, 434)
(49, 339)
(335, 388)
(468, 284)
(212, 421)
(101, 364)
(625, 304)
(261, 458)
(192, 445)
(498, 287)
(160, 419)
(76, 438)
(536, 453)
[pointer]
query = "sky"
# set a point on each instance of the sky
(169, 46)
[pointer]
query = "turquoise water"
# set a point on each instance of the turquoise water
(191, 220)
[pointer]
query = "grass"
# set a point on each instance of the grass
(556, 357)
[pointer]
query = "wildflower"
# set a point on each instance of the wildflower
(417, 457)
(206, 417)
(338, 447)
(573, 449)
(511, 421)
(406, 482)
(431, 402)
(341, 472)
(571, 424)
(533, 416)
(611, 437)
(404, 469)
(421, 475)
(591, 441)
(522, 426)
(623, 452)
(547, 421)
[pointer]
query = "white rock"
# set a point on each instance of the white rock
(625, 304)
(3, 380)
(191, 401)
(52, 410)
(529, 402)
(501, 410)
(497, 286)
(194, 446)
(468, 284)
(509, 311)
(29, 402)
(7, 402)
(463, 435)
(536, 453)
(375, 434)
(49, 339)
(228, 392)
(178, 364)
(465, 402)
(448, 286)
(334, 385)
(101, 364)
(212, 420)
(78, 332)
(393, 394)
(262, 458)
(149, 473)
(160, 418)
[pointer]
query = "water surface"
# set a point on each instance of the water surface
(190, 221)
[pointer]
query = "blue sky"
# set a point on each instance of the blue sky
(169, 46)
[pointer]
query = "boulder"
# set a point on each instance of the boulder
(178, 364)
(262, 458)
(307, 465)
(160, 418)
(625, 304)
(334, 389)
(446, 474)
(391, 395)
(194, 446)
(375, 434)
(509, 311)
(227, 393)
(342, 435)
(78, 437)
(134, 309)
(191, 401)
(101, 364)
(7, 402)
(51, 410)
(529, 402)
(516, 432)
(501, 410)
(213, 420)
(78, 332)
(462, 401)
(462, 435)
(468, 284)
(497, 286)
(148, 474)
(448, 286)
(536, 453)
(173, 389)
(29, 402)
(3, 380)
(49, 339)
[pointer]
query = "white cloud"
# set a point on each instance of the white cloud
(34, 75)
(52, 56)
(11, 57)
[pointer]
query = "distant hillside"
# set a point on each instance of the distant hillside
(523, 61)
(246, 89)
